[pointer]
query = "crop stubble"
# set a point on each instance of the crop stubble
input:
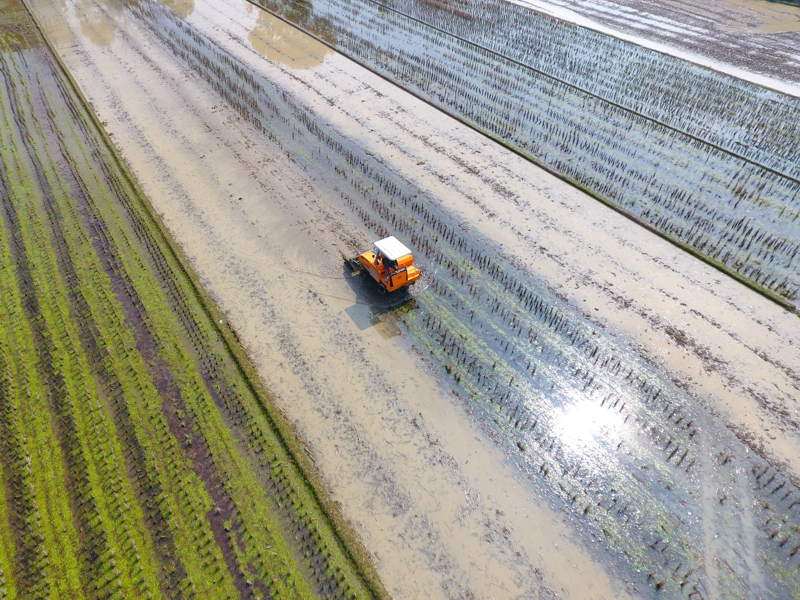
(139, 456)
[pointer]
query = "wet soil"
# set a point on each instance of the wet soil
(431, 483)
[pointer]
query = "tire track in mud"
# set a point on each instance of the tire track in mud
(524, 359)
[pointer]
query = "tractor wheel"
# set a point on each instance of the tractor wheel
(381, 289)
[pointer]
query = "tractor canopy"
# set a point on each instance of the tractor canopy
(391, 248)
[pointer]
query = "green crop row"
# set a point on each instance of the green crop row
(140, 455)
(70, 386)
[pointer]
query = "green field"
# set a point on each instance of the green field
(139, 456)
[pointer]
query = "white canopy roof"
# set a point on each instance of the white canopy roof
(392, 248)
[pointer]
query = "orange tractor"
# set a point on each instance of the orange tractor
(390, 263)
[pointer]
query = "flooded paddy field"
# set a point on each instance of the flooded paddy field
(139, 455)
(566, 406)
(753, 39)
(649, 134)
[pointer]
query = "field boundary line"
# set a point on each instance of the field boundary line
(747, 282)
(286, 433)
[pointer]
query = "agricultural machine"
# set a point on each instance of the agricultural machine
(390, 263)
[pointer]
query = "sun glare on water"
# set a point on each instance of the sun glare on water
(584, 424)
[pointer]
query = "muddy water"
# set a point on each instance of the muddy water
(760, 16)
(278, 41)
(182, 8)
(426, 488)
(397, 449)
(733, 345)
(94, 22)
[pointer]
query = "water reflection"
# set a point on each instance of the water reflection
(278, 41)
(585, 424)
(182, 8)
(98, 20)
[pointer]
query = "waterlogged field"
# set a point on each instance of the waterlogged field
(138, 458)
(740, 37)
(682, 501)
(657, 137)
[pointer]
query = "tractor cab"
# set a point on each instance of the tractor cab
(391, 264)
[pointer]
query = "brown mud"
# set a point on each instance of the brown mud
(278, 41)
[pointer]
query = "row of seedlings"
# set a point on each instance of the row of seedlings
(52, 306)
(635, 161)
(221, 388)
(690, 98)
